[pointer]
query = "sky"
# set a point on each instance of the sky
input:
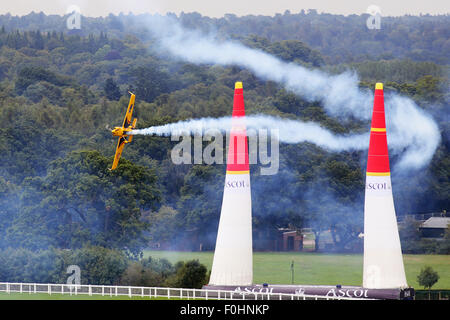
(212, 8)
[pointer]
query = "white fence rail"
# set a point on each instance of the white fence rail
(153, 292)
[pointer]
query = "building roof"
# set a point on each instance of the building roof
(436, 222)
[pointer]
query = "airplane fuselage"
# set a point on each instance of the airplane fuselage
(120, 132)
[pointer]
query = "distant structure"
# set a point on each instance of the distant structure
(434, 227)
(383, 261)
(289, 240)
(233, 256)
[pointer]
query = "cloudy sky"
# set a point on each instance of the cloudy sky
(214, 8)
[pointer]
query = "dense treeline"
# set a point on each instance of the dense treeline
(339, 38)
(98, 265)
(60, 93)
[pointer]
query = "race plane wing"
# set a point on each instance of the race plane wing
(124, 131)
(120, 145)
(128, 115)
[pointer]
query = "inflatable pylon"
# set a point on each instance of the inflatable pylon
(383, 261)
(233, 256)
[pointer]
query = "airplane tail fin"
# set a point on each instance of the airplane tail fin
(130, 137)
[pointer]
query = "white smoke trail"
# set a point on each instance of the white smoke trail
(290, 131)
(339, 94)
(414, 134)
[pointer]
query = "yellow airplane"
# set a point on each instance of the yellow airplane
(123, 132)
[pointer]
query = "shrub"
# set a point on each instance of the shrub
(138, 275)
(23, 265)
(148, 273)
(99, 265)
(191, 274)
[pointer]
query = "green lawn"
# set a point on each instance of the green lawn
(275, 268)
(313, 268)
(46, 296)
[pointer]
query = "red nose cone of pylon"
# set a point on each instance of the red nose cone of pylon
(238, 103)
(237, 161)
(378, 158)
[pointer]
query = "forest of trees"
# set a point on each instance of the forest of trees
(339, 39)
(61, 92)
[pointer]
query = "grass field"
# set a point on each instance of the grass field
(313, 268)
(46, 296)
(275, 268)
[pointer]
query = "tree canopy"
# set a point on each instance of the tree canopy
(61, 91)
